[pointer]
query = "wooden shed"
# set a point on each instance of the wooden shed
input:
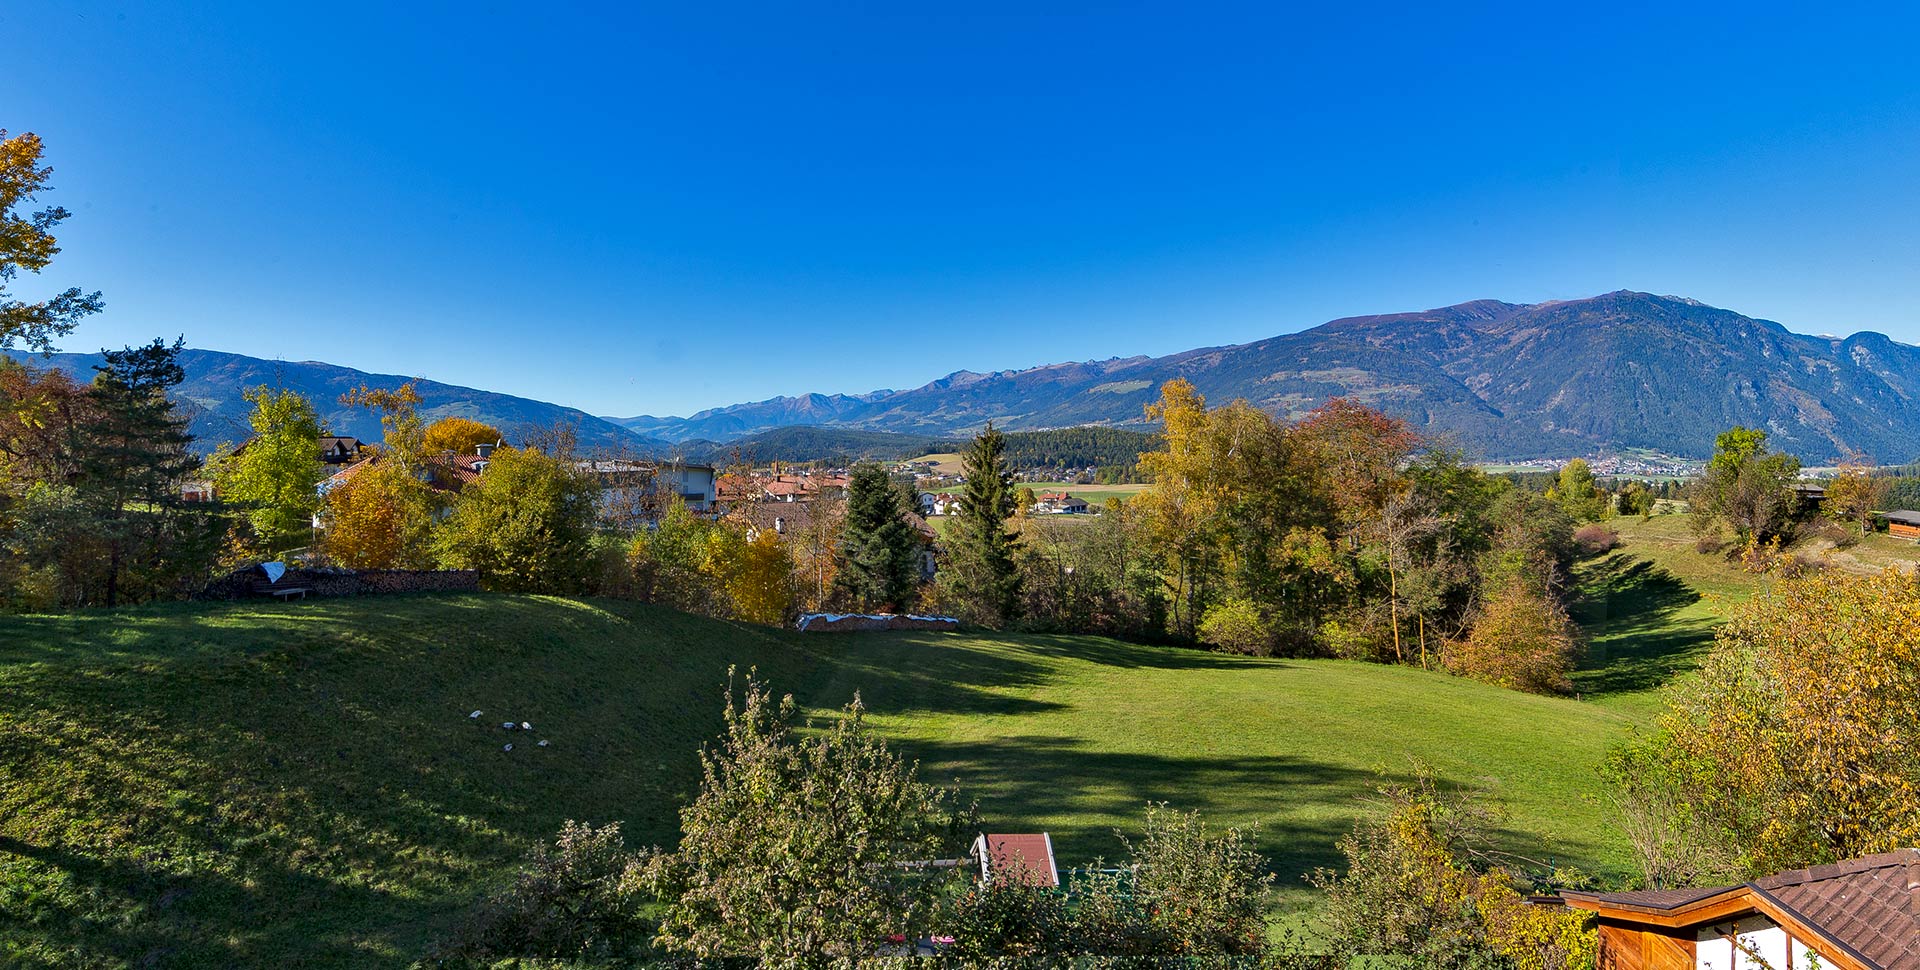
(1862, 914)
(1904, 523)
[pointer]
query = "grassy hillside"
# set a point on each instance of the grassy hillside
(299, 785)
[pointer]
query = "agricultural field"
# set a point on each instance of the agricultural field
(301, 784)
(1094, 494)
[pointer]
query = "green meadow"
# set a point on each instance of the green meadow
(301, 785)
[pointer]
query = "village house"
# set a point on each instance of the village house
(1058, 503)
(1862, 914)
(633, 490)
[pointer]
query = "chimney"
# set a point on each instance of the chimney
(485, 451)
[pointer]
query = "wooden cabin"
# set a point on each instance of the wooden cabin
(1862, 914)
(1904, 524)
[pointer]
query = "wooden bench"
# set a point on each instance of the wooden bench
(266, 587)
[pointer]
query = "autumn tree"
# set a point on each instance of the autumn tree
(804, 849)
(980, 574)
(276, 475)
(1798, 738)
(1361, 452)
(1746, 486)
(1522, 640)
(27, 243)
(379, 516)
(458, 435)
(878, 565)
(526, 525)
(403, 430)
(1423, 883)
(1854, 493)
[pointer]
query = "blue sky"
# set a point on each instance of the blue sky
(659, 209)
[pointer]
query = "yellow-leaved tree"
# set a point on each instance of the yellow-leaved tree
(460, 435)
(1799, 742)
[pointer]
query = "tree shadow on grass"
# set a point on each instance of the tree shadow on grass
(1081, 796)
(1636, 640)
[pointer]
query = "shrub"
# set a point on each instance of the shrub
(1411, 890)
(1709, 543)
(1594, 539)
(1207, 891)
(578, 898)
(1237, 626)
(1522, 641)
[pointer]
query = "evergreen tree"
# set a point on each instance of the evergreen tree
(133, 454)
(984, 581)
(879, 560)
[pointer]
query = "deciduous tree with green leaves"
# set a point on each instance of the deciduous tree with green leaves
(526, 526)
(1746, 486)
(275, 476)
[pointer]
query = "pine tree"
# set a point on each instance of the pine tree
(984, 580)
(133, 454)
(879, 559)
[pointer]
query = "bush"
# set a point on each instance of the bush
(1595, 539)
(1237, 626)
(1411, 891)
(1522, 641)
(1709, 543)
(578, 898)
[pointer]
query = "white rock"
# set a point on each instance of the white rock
(507, 748)
(474, 714)
(507, 724)
(524, 726)
(543, 743)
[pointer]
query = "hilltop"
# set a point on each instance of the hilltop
(259, 784)
(1622, 370)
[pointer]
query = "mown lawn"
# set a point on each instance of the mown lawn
(299, 785)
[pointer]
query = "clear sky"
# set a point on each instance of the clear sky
(665, 207)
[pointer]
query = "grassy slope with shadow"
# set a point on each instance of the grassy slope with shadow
(1649, 610)
(299, 785)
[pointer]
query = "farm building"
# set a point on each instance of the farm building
(1904, 523)
(1863, 914)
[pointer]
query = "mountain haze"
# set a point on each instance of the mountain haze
(1623, 370)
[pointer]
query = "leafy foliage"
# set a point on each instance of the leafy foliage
(27, 243)
(804, 849)
(276, 476)
(1797, 741)
(459, 435)
(1522, 640)
(380, 517)
(1746, 486)
(580, 898)
(1415, 888)
(526, 525)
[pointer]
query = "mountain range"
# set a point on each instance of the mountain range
(1619, 371)
(212, 396)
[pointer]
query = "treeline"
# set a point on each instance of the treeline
(1091, 446)
(1340, 535)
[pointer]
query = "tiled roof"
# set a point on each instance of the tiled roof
(1870, 906)
(1025, 858)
